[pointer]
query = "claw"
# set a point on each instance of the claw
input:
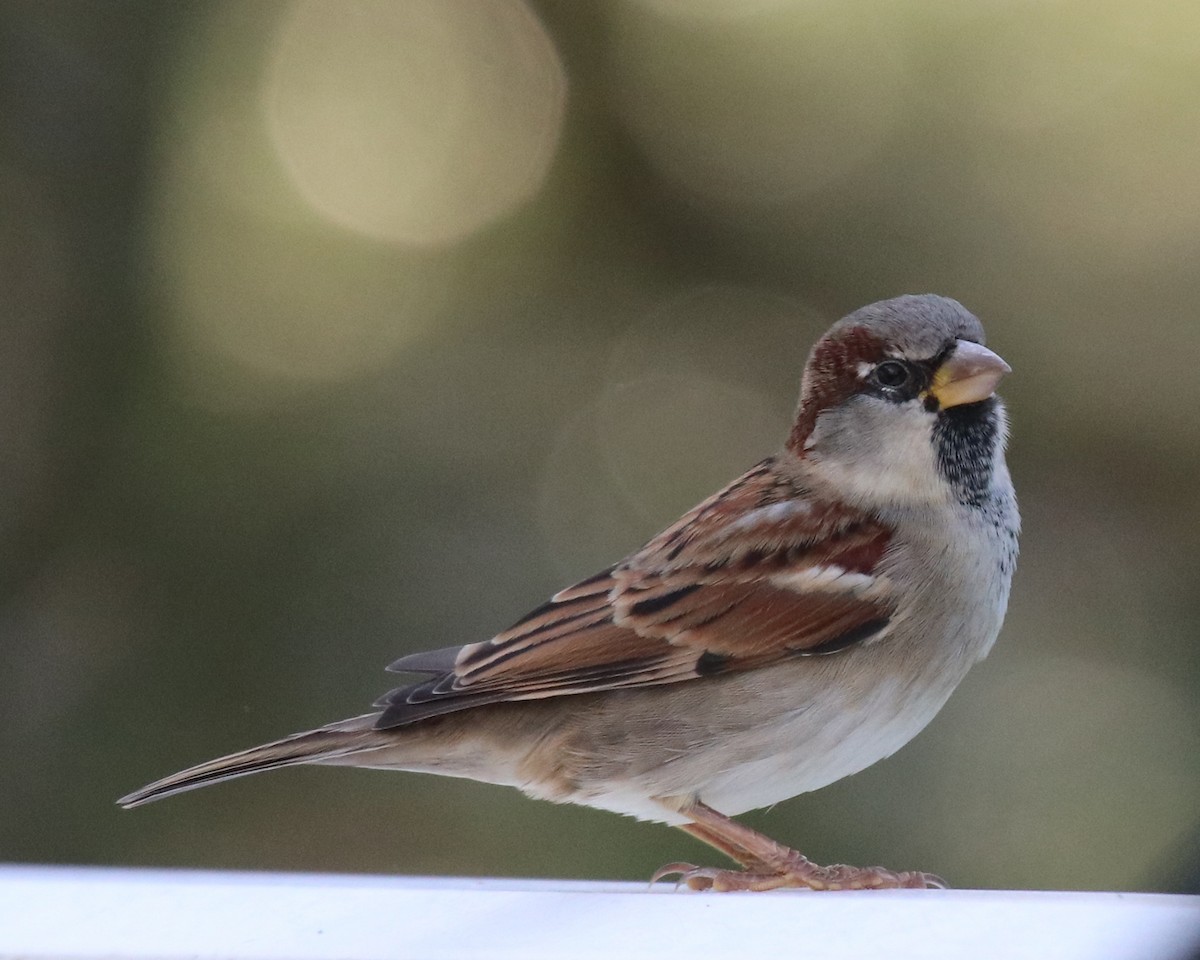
(926, 881)
(681, 868)
(694, 877)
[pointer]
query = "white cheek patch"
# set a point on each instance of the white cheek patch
(876, 453)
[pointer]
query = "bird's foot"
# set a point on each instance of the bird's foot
(768, 865)
(798, 871)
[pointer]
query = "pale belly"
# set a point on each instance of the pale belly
(764, 746)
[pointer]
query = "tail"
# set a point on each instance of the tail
(323, 745)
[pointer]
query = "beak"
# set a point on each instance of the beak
(969, 375)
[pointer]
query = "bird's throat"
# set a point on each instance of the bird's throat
(966, 438)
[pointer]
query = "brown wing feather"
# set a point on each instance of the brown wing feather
(749, 577)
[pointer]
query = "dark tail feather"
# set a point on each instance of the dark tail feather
(315, 746)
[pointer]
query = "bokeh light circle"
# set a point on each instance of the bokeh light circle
(418, 122)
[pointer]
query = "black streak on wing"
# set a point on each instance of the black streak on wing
(864, 631)
(711, 663)
(657, 604)
(569, 615)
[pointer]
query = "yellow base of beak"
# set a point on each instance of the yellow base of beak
(968, 376)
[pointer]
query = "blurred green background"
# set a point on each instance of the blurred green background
(334, 331)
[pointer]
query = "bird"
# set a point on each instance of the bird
(794, 628)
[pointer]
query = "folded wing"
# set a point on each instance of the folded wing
(758, 573)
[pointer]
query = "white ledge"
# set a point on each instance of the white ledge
(122, 913)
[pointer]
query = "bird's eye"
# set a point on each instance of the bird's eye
(892, 373)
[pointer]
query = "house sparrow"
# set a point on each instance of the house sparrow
(792, 629)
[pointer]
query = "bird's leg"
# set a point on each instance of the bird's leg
(731, 850)
(770, 865)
